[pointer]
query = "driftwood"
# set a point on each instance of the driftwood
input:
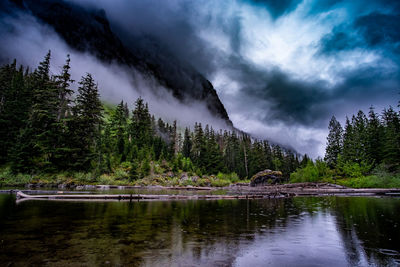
(21, 195)
(237, 192)
(317, 189)
(13, 191)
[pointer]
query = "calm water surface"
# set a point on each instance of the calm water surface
(312, 231)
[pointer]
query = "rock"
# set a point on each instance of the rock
(90, 187)
(238, 184)
(79, 187)
(266, 177)
(195, 179)
(62, 186)
(170, 174)
(71, 186)
(103, 187)
(184, 177)
(30, 186)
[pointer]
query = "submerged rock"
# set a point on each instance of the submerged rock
(266, 177)
(90, 187)
(62, 186)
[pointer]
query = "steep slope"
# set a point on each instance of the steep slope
(88, 30)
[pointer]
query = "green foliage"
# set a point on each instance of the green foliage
(372, 181)
(144, 168)
(312, 172)
(220, 182)
(231, 177)
(334, 142)
(7, 177)
(366, 155)
(48, 134)
(353, 169)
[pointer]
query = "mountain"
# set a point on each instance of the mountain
(88, 30)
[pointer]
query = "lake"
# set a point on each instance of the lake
(299, 231)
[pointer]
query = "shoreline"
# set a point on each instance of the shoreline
(239, 191)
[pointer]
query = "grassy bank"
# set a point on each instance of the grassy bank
(118, 177)
(352, 175)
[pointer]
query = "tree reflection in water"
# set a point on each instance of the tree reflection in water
(295, 231)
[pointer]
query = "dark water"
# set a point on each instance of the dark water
(312, 231)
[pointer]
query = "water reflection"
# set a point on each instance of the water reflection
(282, 232)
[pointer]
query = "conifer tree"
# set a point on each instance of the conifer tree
(87, 118)
(36, 145)
(391, 146)
(334, 144)
(63, 146)
(268, 155)
(360, 137)
(213, 158)
(118, 132)
(257, 158)
(64, 82)
(348, 142)
(15, 102)
(187, 143)
(374, 138)
(198, 149)
(140, 128)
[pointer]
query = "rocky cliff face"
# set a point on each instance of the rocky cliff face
(89, 30)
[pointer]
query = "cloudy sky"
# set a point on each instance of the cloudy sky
(281, 68)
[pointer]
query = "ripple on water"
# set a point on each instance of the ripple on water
(389, 252)
(277, 251)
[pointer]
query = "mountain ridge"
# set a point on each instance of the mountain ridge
(89, 30)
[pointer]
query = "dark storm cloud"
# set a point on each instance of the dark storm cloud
(339, 40)
(277, 8)
(272, 93)
(175, 26)
(372, 31)
(379, 29)
(311, 103)
(165, 26)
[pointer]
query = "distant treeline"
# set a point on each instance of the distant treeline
(366, 153)
(367, 141)
(44, 129)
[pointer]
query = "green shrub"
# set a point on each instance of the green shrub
(312, 172)
(121, 174)
(220, 182)
(83, 178)
(8, 178)
(105, 179)
(349, 169)
(309, 173)
(231, 177)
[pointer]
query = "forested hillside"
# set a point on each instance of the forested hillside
(366, 153)
(46, 130)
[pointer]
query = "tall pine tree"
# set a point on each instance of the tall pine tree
(334, 144)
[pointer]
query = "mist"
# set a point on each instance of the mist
(115, 82)
(281, 70)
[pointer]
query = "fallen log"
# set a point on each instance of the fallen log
(26, 191)
(21, 195)
(271, 192)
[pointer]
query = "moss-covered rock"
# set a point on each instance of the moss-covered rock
(266, 177)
